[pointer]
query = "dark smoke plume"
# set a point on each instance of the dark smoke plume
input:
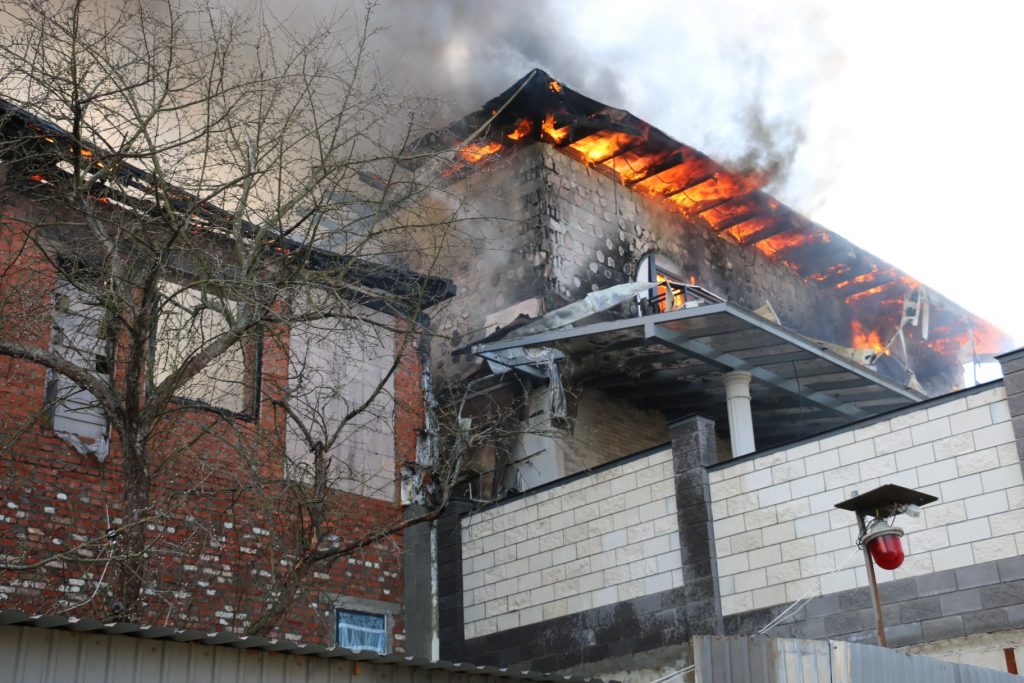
(466, 52)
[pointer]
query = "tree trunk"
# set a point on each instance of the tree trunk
(128, 602)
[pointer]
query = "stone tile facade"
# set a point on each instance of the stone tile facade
(592, 541)
(750, 537)
(950, 604)
(778, 535)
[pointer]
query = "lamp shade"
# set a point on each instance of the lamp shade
(887, 551)
(884, 544)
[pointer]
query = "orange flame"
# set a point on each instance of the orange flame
(600, 146)
(868, 293)
(632, 165)
(743, 232)
(866, 340)
(522, 129)
(667, 291)
(555, 86)
(774, 245)
(679, 176)
(556, 135)
(734, 208)
(719, 187)
(474, 152)
(869, 276)
(987, 339)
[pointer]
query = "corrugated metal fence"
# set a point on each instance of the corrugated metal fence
(51, 649)
(738, 659)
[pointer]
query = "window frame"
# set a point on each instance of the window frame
(252, 353)
(657, 298)
(339, 611)
(52, 388)
(378, 418)
(349, 603)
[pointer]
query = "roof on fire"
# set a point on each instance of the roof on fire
(730, 204)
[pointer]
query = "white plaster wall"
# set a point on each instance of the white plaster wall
(778, 534)
(590, 542)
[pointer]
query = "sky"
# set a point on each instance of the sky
(910, 113)
(899, 123)
(911, 116)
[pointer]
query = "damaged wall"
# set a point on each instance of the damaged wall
(599, 230)
(539, 229)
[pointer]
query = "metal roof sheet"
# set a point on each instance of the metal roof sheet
(674, 362)
(11, 617)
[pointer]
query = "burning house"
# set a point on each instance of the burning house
(692, 272)
(697, 371)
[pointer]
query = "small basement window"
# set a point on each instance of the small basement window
(362, 631)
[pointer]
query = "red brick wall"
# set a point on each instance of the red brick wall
(224, 520)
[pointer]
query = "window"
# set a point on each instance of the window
(672, 291)
(334, 368)
(362, 631)
(667, 296)
(77, 337)
(189, 320)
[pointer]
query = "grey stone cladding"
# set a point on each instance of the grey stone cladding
(954, 603)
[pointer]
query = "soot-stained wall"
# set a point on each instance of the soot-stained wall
(599, 230)
(539, 229)
(540, 224)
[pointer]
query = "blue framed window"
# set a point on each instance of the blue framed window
(362, 631)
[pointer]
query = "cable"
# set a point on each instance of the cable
(685, 670)
(793, 607)
(807, 597)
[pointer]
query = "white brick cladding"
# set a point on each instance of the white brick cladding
(777, 533)
(593, 541)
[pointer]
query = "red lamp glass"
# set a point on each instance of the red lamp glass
(884, 544)
(887, 551)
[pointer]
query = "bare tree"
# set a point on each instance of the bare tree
(201, 252)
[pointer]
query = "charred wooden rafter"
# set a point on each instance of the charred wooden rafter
(675, 158)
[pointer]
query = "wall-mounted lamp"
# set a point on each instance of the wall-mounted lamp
(880, 540)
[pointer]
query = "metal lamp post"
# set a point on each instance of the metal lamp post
(879, 539)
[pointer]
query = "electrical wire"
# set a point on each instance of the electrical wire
(680, 672)
(802, 601)
(795, 606)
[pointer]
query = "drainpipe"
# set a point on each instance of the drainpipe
(741, 424)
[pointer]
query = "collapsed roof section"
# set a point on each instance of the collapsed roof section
(649, 162)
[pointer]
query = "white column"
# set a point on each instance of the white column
(741, 424)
